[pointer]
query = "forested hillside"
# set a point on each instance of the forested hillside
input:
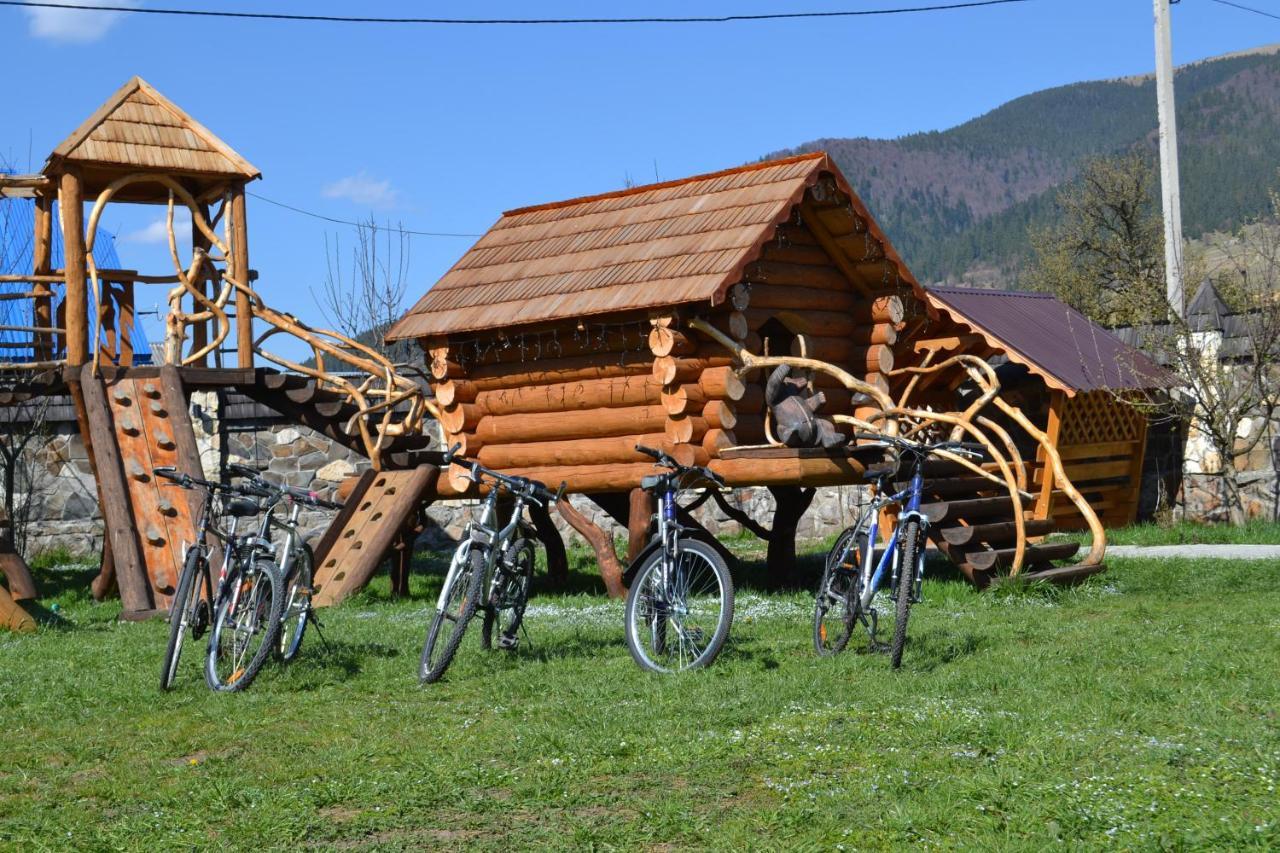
(958, 203)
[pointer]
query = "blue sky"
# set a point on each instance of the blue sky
(443, 128)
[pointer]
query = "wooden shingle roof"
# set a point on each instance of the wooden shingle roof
(139, 128)
(645, 247)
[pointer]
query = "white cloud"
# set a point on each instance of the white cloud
(158, 232)
(363, 190)
(74, 25)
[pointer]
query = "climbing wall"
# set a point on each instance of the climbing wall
(139, 421)
(381, 506)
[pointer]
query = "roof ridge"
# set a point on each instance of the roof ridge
(990, 291)
(642, 188)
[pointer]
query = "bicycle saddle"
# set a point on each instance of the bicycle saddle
(242, 508)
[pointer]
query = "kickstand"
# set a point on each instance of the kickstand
(315, 620)
(525, 631)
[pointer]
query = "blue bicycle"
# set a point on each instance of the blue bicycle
(854, 572)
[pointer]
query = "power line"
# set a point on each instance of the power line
(355, 224)
(1248, 9)
(343, 19)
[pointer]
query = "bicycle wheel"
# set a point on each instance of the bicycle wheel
(246, 626)
(906, 586)
(838, 603)
(509, 596)
(450, 622)
(184, 612)
(680, 622)
(297, 604)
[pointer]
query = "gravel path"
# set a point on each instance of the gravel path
(1217, 552)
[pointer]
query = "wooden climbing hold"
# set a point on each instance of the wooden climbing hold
(128, 425)
(151, 390)
(157, 408)
(154, 536)
(121, 396)
(166, 507)
(136, 471)
(163, 439)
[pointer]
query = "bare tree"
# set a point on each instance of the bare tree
(364, 289)
(24, 476)
(1105, 258)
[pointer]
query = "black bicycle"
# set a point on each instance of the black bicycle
(292, 555)
(491, 567)
(679, 592)
(242, 610)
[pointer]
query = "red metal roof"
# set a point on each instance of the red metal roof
(1051, 339)
(644, 247)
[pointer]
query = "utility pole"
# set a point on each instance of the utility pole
(1171, 196)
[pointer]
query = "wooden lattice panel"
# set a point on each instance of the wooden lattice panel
(1097, 417)
(366, 529)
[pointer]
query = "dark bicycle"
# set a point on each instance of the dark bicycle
(242, 609)
(679, 592)
(491, 567)
(853, 575)
(293, 556)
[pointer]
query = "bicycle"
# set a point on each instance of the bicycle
(493, 564)
(852, 575)
(243, 610)
(679, 592)
(293, 556)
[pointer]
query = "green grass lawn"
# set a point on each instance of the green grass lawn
(1138, 711)
(1254, 532)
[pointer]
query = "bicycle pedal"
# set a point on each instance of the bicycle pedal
(508, 643)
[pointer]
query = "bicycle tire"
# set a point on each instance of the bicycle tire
(906, 586)
(263, 618)
(181, 605)
(648, 614)
(469, 581)
(839, 593)
(516, 571)
(296, 610)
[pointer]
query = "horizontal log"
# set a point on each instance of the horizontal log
(801, 275)
(790, 233)
(719, 414)
(668, 369)
(592, 451)
(563, 426)
(578, 479)
(520, 349)
(452, 391)
(716, 440)
(683, 399)
(609, 392)
(825, 323)
(881, 309)
(721, 382)
(667, 341)
(812, 255)
(461, 417)
(548, 370)
(795, 471)
(856, 358)
(467, 443)
(686, 429)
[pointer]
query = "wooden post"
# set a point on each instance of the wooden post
(21, 585)
(42, 264)
(402, 562)
(71, 202)
(200, 332)
(638, 520)
(553, 543)
(240, 272)
(1057, 405)
(105, 582)
(790, 505)
(601, 544)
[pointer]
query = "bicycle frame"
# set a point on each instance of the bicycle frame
(873, 571)
(480, 531)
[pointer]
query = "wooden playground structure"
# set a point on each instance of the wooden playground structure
(568, 333)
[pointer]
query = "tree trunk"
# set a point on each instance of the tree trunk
(1231, 497)
(791, 503)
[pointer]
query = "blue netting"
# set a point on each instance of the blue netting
(17, 235)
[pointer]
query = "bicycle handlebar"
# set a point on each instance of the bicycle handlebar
(666, 460)
(533, 489)
(260, 487)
